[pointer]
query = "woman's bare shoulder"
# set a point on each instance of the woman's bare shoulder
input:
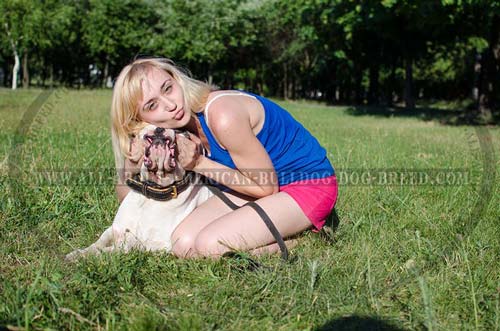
(224, 103)
(230, 107)
(223, 96)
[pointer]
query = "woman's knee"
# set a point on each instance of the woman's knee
(183, 245)
(208, 244)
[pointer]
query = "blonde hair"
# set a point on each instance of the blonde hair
(127, 93)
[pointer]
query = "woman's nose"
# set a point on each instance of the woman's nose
(169, 104)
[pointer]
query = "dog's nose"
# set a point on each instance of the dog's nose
(159, 131)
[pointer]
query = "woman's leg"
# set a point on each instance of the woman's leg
(243, 229)
(184, 236)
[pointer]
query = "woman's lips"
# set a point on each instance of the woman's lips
(179, 114)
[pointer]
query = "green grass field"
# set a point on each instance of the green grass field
(405, 257)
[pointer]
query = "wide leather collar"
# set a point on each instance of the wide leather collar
(154, 191)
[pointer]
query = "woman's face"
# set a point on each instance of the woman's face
(162, 101)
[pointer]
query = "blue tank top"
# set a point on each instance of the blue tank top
(295, 153)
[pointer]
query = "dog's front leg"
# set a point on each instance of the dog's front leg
(104, 243)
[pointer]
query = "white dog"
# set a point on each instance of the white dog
(144, 223)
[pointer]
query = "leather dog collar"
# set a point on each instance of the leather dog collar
(154, 191)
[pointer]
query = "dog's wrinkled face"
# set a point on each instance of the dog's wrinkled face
(160, 164)
(162, 144)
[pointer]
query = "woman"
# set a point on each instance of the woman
(255, 149)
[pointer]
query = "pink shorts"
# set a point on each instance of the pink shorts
(316, 198)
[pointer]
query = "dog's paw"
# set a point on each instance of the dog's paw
(74, 255)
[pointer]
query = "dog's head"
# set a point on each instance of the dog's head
(160, 164)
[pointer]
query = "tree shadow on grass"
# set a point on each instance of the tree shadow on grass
(443, 116)
(358, 323)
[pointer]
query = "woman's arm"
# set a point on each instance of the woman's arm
(130, 168)
(252, 182)
(121, 191)
(255, 175)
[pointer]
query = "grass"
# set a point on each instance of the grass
(398, 261)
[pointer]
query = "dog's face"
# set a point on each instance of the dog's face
(160, 152)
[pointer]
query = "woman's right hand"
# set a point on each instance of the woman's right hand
(133, 165)
(132, 168)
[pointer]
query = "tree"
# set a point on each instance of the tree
(115, 30)
(32, 28)
(61, 26)
(294, 45)
(489, 88)
(196, 33)
(20, 21)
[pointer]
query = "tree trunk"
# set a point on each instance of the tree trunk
(105, 74)
(260, 80)
(393, 93)
(329, 92)
(43, 77)
(209, 74)
(409, 97)
(15, 70)
(489, 85)
(285, 81)
(374, 85)
(358, 90)
(477, 80)
(230, 78)
(51, 77)
(5, 69)
(26, 74)
(495, 47)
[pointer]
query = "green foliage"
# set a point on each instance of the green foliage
(114, 30)
(341, 50)
(22, 19)
(194, 31)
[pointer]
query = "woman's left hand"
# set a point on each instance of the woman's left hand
(189, 150)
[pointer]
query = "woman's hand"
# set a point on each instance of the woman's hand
(189, 150)
(189, 154)
(131, 168)
(133, 165)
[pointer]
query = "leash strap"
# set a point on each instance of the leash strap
(271, 227)
(221, 196)
(263, 215)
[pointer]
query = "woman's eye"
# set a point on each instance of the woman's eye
(167, 88)
(152, 105)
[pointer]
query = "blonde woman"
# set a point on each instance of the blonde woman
(255, 149)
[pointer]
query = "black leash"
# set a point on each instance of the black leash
(263, 215)
(271, 227)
